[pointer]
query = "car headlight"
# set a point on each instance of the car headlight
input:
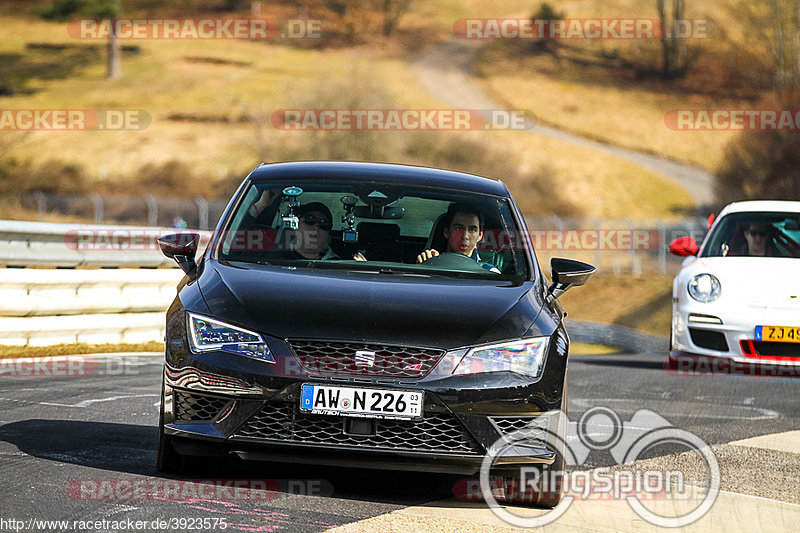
(207, 334)
(525, 356)
(704, 288)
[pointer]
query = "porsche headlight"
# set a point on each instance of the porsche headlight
(704, 288)
(525, 356)
(207, 334)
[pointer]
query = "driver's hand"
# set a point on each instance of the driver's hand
(427, 254)
(359, 257)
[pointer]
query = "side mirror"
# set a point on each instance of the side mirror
(182, 247)
(684, 247)
(568, 273)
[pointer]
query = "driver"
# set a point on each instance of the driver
(463, 230)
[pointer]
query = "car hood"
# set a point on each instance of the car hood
(389, 308)
(754, 282)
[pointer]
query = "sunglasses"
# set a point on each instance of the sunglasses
(311, 220)
(758, 232)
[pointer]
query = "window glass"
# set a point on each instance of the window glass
(364, 226)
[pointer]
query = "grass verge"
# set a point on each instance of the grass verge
(582, 348)
(611, 90)
(643, 303)
(213, 117)
(10, 352)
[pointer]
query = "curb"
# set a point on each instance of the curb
(620, 337)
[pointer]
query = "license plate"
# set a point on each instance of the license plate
(778, 333)
(361, 402)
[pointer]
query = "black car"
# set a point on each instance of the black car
(364, 315)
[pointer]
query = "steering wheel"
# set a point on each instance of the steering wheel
(454, 261)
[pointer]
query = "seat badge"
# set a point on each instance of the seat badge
(365, 358)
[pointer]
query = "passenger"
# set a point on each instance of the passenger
(463, 230)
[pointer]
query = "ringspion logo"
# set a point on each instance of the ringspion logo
(599, 429)
(73, 119)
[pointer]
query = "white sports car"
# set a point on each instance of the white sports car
(738, 295)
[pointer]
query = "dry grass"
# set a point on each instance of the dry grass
(601, 186)
(588, 89)
(209, 102)
(10, 352)
(643, 303)
(581, 348)
(260, 78)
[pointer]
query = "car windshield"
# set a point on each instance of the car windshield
(376, 227)
(755, 234)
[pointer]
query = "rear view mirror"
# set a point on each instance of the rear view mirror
(684, 247)
(567, 273)
(182, 247)
(379, 213)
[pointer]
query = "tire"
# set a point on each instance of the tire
(551, 496)
(168, 460)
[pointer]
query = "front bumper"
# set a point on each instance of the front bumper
(705, 330)
(275, 429)
(220, 403)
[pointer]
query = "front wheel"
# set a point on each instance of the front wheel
(549, 491)
(168, 459)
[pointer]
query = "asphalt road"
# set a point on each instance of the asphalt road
(75, 447)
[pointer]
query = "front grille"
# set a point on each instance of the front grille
(436, 433)
(196, 407)
(777, 349)
(532, 428)
(510, 424)
(339, 358)
(710, 340)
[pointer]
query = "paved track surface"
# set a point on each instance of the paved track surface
(57, 431)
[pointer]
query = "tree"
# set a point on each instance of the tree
(776, 25)
(673, 49)
(548, 13)
(64, 10)
(392, 11)
(762, 165)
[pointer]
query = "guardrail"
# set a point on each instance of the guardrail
(80, 245)
(103, 284)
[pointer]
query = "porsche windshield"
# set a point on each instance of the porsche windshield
(374, 226)
(756, 234)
